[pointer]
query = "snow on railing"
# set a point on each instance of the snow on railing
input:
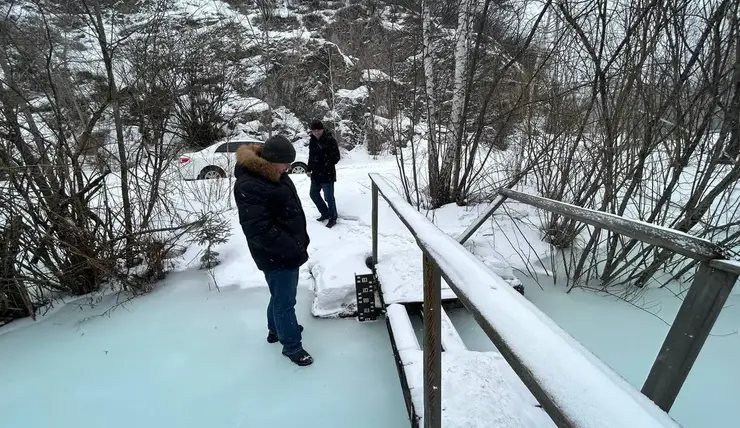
(573, 386)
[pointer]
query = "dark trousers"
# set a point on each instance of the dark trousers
(328, 208)
(281, 317)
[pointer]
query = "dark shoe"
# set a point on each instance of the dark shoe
(272, 337)
(323, 218)
(302, 358)
(332, 222)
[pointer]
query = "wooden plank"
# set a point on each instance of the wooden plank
(432, 345)
(403, 330)
(403, 338)
(694, 321)
(730, 266)
(500, 199)
(451, 340)
(671, 239)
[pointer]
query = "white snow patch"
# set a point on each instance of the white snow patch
(288, 120)
(356, 95)
(335, 293)
(599, 323)
(401, 276)
(245, 105)
(479, 389)
(375, 75)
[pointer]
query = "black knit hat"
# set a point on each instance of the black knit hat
(316, 124)
(278, 149)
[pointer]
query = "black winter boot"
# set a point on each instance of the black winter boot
(323, 218)
(332, 222)
(272, 337)
(302, 358)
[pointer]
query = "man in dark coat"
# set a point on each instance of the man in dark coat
(323, 155)
(274, 224)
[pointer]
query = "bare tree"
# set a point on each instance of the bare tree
(644, 126)
(71, 228)
(474, 115)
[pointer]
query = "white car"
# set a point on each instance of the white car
(218, 161)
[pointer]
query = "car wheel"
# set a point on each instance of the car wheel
(212, 173)
(298, 168)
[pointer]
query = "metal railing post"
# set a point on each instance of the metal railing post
(375, 223)
(694, 321)
(432, 344)
(475, 225)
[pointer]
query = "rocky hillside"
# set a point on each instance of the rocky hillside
(244, 67)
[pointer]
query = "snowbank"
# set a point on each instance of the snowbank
(334, 277)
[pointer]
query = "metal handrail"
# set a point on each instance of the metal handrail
(671, 239)
(573, 389)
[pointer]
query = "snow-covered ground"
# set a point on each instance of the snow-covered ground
(189, 354)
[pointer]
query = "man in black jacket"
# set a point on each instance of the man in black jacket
(274, 224)
(323, 155)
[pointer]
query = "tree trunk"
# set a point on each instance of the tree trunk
(453, 153)
(433, 154)
(122, 155)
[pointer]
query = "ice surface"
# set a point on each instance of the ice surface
(628, 339)
(584, 391)
(185, 356)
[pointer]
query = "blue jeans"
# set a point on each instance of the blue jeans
(281, 319)
(328, 208)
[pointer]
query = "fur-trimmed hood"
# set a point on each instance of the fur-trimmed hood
(250, 157)
(270, 212)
